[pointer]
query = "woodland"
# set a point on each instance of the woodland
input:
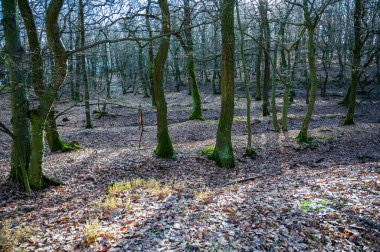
(190, 125)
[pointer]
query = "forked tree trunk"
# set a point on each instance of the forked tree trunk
(54, 140)
(223, 152)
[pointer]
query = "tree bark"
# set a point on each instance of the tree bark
(54, 140)
(263, 6)
(249, 150)
(310, 26)
(197, 106)
(164, 147)
(223, 152)
(355, 71)
(215, 90)
(258, 74)
(21, 146)
(150, 53)
(276, 127)
(84, 68)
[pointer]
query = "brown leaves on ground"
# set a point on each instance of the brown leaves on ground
(118, 197)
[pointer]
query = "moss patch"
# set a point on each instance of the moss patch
(208, 151)
(313, 205)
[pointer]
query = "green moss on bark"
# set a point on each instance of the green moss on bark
(164, 147)
(223, 152)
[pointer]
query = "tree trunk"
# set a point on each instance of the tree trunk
(263, 5)
(141, 72)
(355, 71)
(303, 136)
(21, 148)
(197, 106)
(84, 68)
(150, 53)
(55, 142)
(77, 96)
(35, 173)
(177, 72)
(276, 127)
(286, 98)
(249, 150)
(164, 147)
(223, 152)
(216, 62)
(258, 74)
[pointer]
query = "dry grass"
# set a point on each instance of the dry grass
(111, 202)
(119, 187)
(205, 196)
(92, 230)
(11, 238)
(152, 185)
(162, 192)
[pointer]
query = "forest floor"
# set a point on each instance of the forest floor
(319, 196)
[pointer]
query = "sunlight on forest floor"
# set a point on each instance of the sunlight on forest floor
(118, 196)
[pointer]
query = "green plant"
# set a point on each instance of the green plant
(208, 151)
(316, 205)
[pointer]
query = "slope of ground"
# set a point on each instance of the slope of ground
(323, 195)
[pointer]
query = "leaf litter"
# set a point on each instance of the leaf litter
(320, 197)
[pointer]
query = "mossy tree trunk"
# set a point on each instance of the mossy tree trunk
(54, 140)
(223, 152)
(164, 147)
(189, 50)
(280, 42)
(35, 173)
(249, 150)
(310, 26)
(21, 148)
(355, 70)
